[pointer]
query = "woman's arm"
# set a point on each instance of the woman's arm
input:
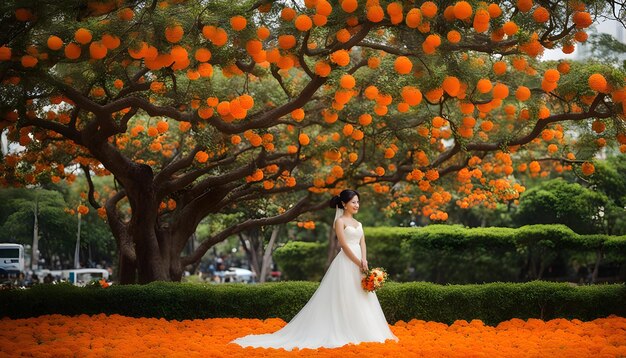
(363, 265)
(344, 245)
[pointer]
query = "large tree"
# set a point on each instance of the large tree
(392, 95)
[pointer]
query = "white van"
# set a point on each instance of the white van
(81, 277)
(12, 258)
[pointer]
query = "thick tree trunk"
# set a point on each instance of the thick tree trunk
(127, 269)
(148, 253)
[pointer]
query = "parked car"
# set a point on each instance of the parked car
(236, 274)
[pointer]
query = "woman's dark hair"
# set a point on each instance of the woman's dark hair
(343, 197)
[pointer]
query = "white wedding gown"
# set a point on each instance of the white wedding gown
(339, 312)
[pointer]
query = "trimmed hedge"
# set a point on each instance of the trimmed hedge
(302, 261)
(492, 303)
(454, 254)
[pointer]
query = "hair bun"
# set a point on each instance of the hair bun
(335, 202)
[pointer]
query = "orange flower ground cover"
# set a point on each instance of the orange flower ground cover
(118, 336)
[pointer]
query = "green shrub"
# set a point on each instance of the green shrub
(454, 254)
(492, 303)
(299, 260)
(384, 249)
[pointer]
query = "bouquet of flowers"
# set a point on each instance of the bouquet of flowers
(374, 279)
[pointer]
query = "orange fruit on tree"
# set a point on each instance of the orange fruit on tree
(413, 18)
(54, 43)
(286, 42)
(375, 13)
(29, 61)
(403, 65)
(323, 8)
(110, 41)
(484, 85)
(451, 85)
(598, 83)
(429, 9)
(349, 6)
(238, 22)
(587, 168)
(582, 19)
(541, 15)
(522, 93)
(510, 28)
(72, 51)
(5, 53)
(83, 36)
(174, 33)
(453, 36)
(347, 81)
(303, 23)
(340, 57)
(499, 67)
(462, 10)
(494, 10)
(262, 33)
(97, 50)
(524, 5)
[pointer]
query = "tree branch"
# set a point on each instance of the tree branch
(300, 207)
(92, 199)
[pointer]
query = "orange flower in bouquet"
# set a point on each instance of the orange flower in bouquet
(374, 279)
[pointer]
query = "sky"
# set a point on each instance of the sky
(609, 26)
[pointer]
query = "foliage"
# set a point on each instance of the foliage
(57, 226)
(300, 260)
(454, 254)
(492, 303)
(611, 181)
(201, 107)
(17, 207)
(459, 255)
(607, 47)
(559, 202)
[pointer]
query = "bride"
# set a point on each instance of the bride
(340, 311)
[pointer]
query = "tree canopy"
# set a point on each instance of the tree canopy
(559, 202)
(198, 106)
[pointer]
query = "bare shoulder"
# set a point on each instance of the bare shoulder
(339, 221)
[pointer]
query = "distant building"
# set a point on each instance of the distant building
(583, 51)
(613, 28)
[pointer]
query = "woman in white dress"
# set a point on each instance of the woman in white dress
(340, 311)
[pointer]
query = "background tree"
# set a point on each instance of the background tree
(559, 202)
(611, 181)
(56, 227)
(198, 106)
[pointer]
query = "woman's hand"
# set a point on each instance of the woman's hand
(358, 264)
(364, 266)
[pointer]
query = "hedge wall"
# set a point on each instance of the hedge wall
(301, 260)
(454, 254)
(491, 303)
